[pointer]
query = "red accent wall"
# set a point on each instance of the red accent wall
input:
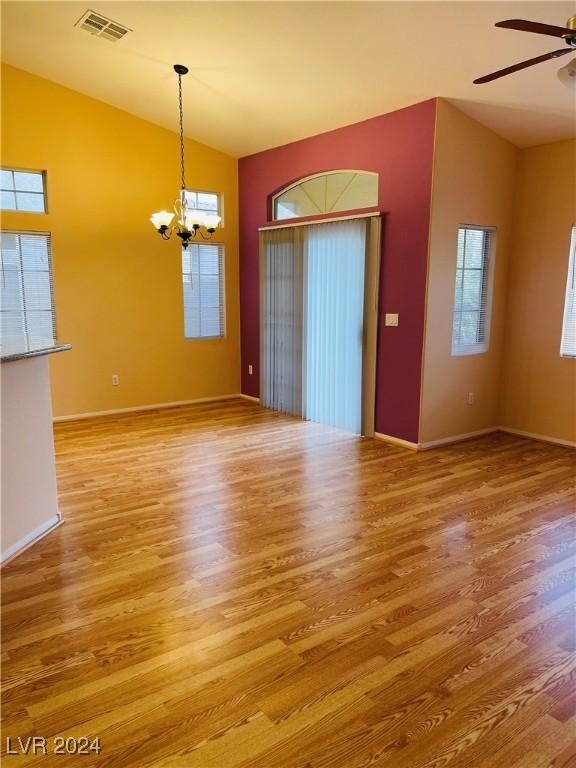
(399, 146)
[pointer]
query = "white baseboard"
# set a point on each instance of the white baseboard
(31, 538)
(457, 438)
(426, 446)
(153, 407)
(249, 397)
(397, 441)
(542, 438)
(434, 443)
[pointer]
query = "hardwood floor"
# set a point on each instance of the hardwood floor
(238, 589)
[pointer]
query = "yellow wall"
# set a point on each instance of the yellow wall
(473, 183)
(118, 286)
(539, 386)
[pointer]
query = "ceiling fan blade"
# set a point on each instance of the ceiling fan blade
(534, 26)
(521, 65)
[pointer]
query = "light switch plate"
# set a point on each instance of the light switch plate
(391, 319)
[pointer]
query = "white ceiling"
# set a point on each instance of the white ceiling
(266, 73)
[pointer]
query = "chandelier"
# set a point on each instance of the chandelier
(189, 221)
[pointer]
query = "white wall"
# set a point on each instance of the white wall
(29, 500)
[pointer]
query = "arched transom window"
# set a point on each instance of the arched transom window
(327, 193)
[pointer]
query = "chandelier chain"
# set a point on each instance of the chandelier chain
(183, 180)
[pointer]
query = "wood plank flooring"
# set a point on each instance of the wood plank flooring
(237, 589)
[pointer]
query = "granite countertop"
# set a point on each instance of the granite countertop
(25, 354)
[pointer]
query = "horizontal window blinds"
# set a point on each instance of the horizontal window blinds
(568, 342)
(203, 286)
(26, 293)
(470, 327)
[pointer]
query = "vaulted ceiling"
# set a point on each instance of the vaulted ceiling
(266, 73)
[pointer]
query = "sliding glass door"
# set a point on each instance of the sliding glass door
(334, 255)
(318, 321)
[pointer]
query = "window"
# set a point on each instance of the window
(22, 191)
(327, 193)
(568, 343)
(26, 290)
(203, 281)
(471, 321)
(208, 202)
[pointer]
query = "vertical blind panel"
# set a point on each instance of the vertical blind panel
(203, 288)
(281, 318)
(568, 342)
(335, 255)
(26, 293)
(471, 300)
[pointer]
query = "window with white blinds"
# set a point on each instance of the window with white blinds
(26, 293)
(472, 299)
(203, 282)
(568, 342)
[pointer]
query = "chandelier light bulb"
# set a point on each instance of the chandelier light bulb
(161, 219)
(211, 221)
(194, 219)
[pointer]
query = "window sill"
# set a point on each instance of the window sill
(204, 338)
(477, 349)
(25, 354)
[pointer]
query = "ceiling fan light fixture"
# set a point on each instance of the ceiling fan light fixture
(567, 74)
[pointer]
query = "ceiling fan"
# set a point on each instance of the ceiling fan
(567, 33)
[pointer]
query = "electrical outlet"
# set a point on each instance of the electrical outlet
(115, 379)
(471, 398)
(250, 370)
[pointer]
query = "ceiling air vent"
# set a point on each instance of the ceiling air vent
(100, 26)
